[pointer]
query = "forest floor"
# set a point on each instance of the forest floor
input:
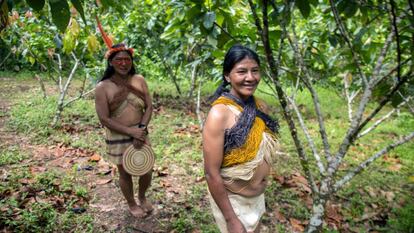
(107, 205)
(178, 191)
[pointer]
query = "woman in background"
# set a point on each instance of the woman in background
(124, 108)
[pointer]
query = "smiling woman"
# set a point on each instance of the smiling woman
(239, 142)
(124, 108)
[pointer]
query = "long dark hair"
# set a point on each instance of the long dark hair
(235, 54)
(109, 71)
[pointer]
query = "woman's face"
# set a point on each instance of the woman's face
(244, 78)
(122, 63)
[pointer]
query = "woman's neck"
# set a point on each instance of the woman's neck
(120, 77)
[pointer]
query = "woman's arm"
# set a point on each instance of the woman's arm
(102, 109)
(213, 144)
(147, 100)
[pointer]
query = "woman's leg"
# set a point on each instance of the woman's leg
(125, 182)
(144, 184)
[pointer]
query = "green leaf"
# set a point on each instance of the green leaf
(351, 9)
(172, 28)
(220, 19)
(193, 13)
(222, 39)
(36, 5)
(314, 2)
(31, 59)
(60, 13)
(304, 7)
(78, 5)
(10, 5)
(209, 19)
(212, 41)
(332, 40)
(106, 3)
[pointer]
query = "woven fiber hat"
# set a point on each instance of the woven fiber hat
(138, 162)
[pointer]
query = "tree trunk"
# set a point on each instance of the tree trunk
(193, 81)
(318, 213)
(319, 206)
(42, 85)
(63, 92)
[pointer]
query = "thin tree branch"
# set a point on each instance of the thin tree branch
(226, 32)
(397, 35)
(308, 83)
(78, 97)
(344, 33)
(379, 121)
(7, 56)
(348, 97)
(367, 162)
(378, 80)
(356, 128)
(193, 79)
(284, 30)
(321, 167)
(408, 103)
(295, 90)
(381, 57)
(198, 108)
(281, 94)
(42, 85)
(169, 69)
(385, 100)
(59, 71)
(63, 91)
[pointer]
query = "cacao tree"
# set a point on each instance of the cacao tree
(366, 45)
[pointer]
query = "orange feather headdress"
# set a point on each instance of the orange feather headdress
(109, 43)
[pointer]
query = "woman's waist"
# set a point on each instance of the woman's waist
(252, 187)
(130, 119)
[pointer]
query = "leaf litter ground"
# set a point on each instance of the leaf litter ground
(170, 192)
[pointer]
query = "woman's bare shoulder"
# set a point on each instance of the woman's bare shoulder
(138, 77)
(103, 85)
(218, 115)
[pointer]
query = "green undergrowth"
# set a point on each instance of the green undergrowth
(21, 75)
(383, 191)
(47, 201)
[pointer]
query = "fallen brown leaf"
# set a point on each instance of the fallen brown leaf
(95, 158)
(332, 212)
(395, 167)
(279, 179)
(35, 170)
(279, 216)
(25, 181)
(388, 195)
(103, 181)
(296, 225)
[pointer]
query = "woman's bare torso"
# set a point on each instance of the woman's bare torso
(130, 115)
(257, 184)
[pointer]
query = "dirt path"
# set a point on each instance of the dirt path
(106, 205)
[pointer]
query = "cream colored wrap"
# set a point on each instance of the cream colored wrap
(248, 209)
(117, 143)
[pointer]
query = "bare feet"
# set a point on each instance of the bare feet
(146, 205)
(137, 211)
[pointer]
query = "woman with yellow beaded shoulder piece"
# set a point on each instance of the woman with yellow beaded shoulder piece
(239, 142)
